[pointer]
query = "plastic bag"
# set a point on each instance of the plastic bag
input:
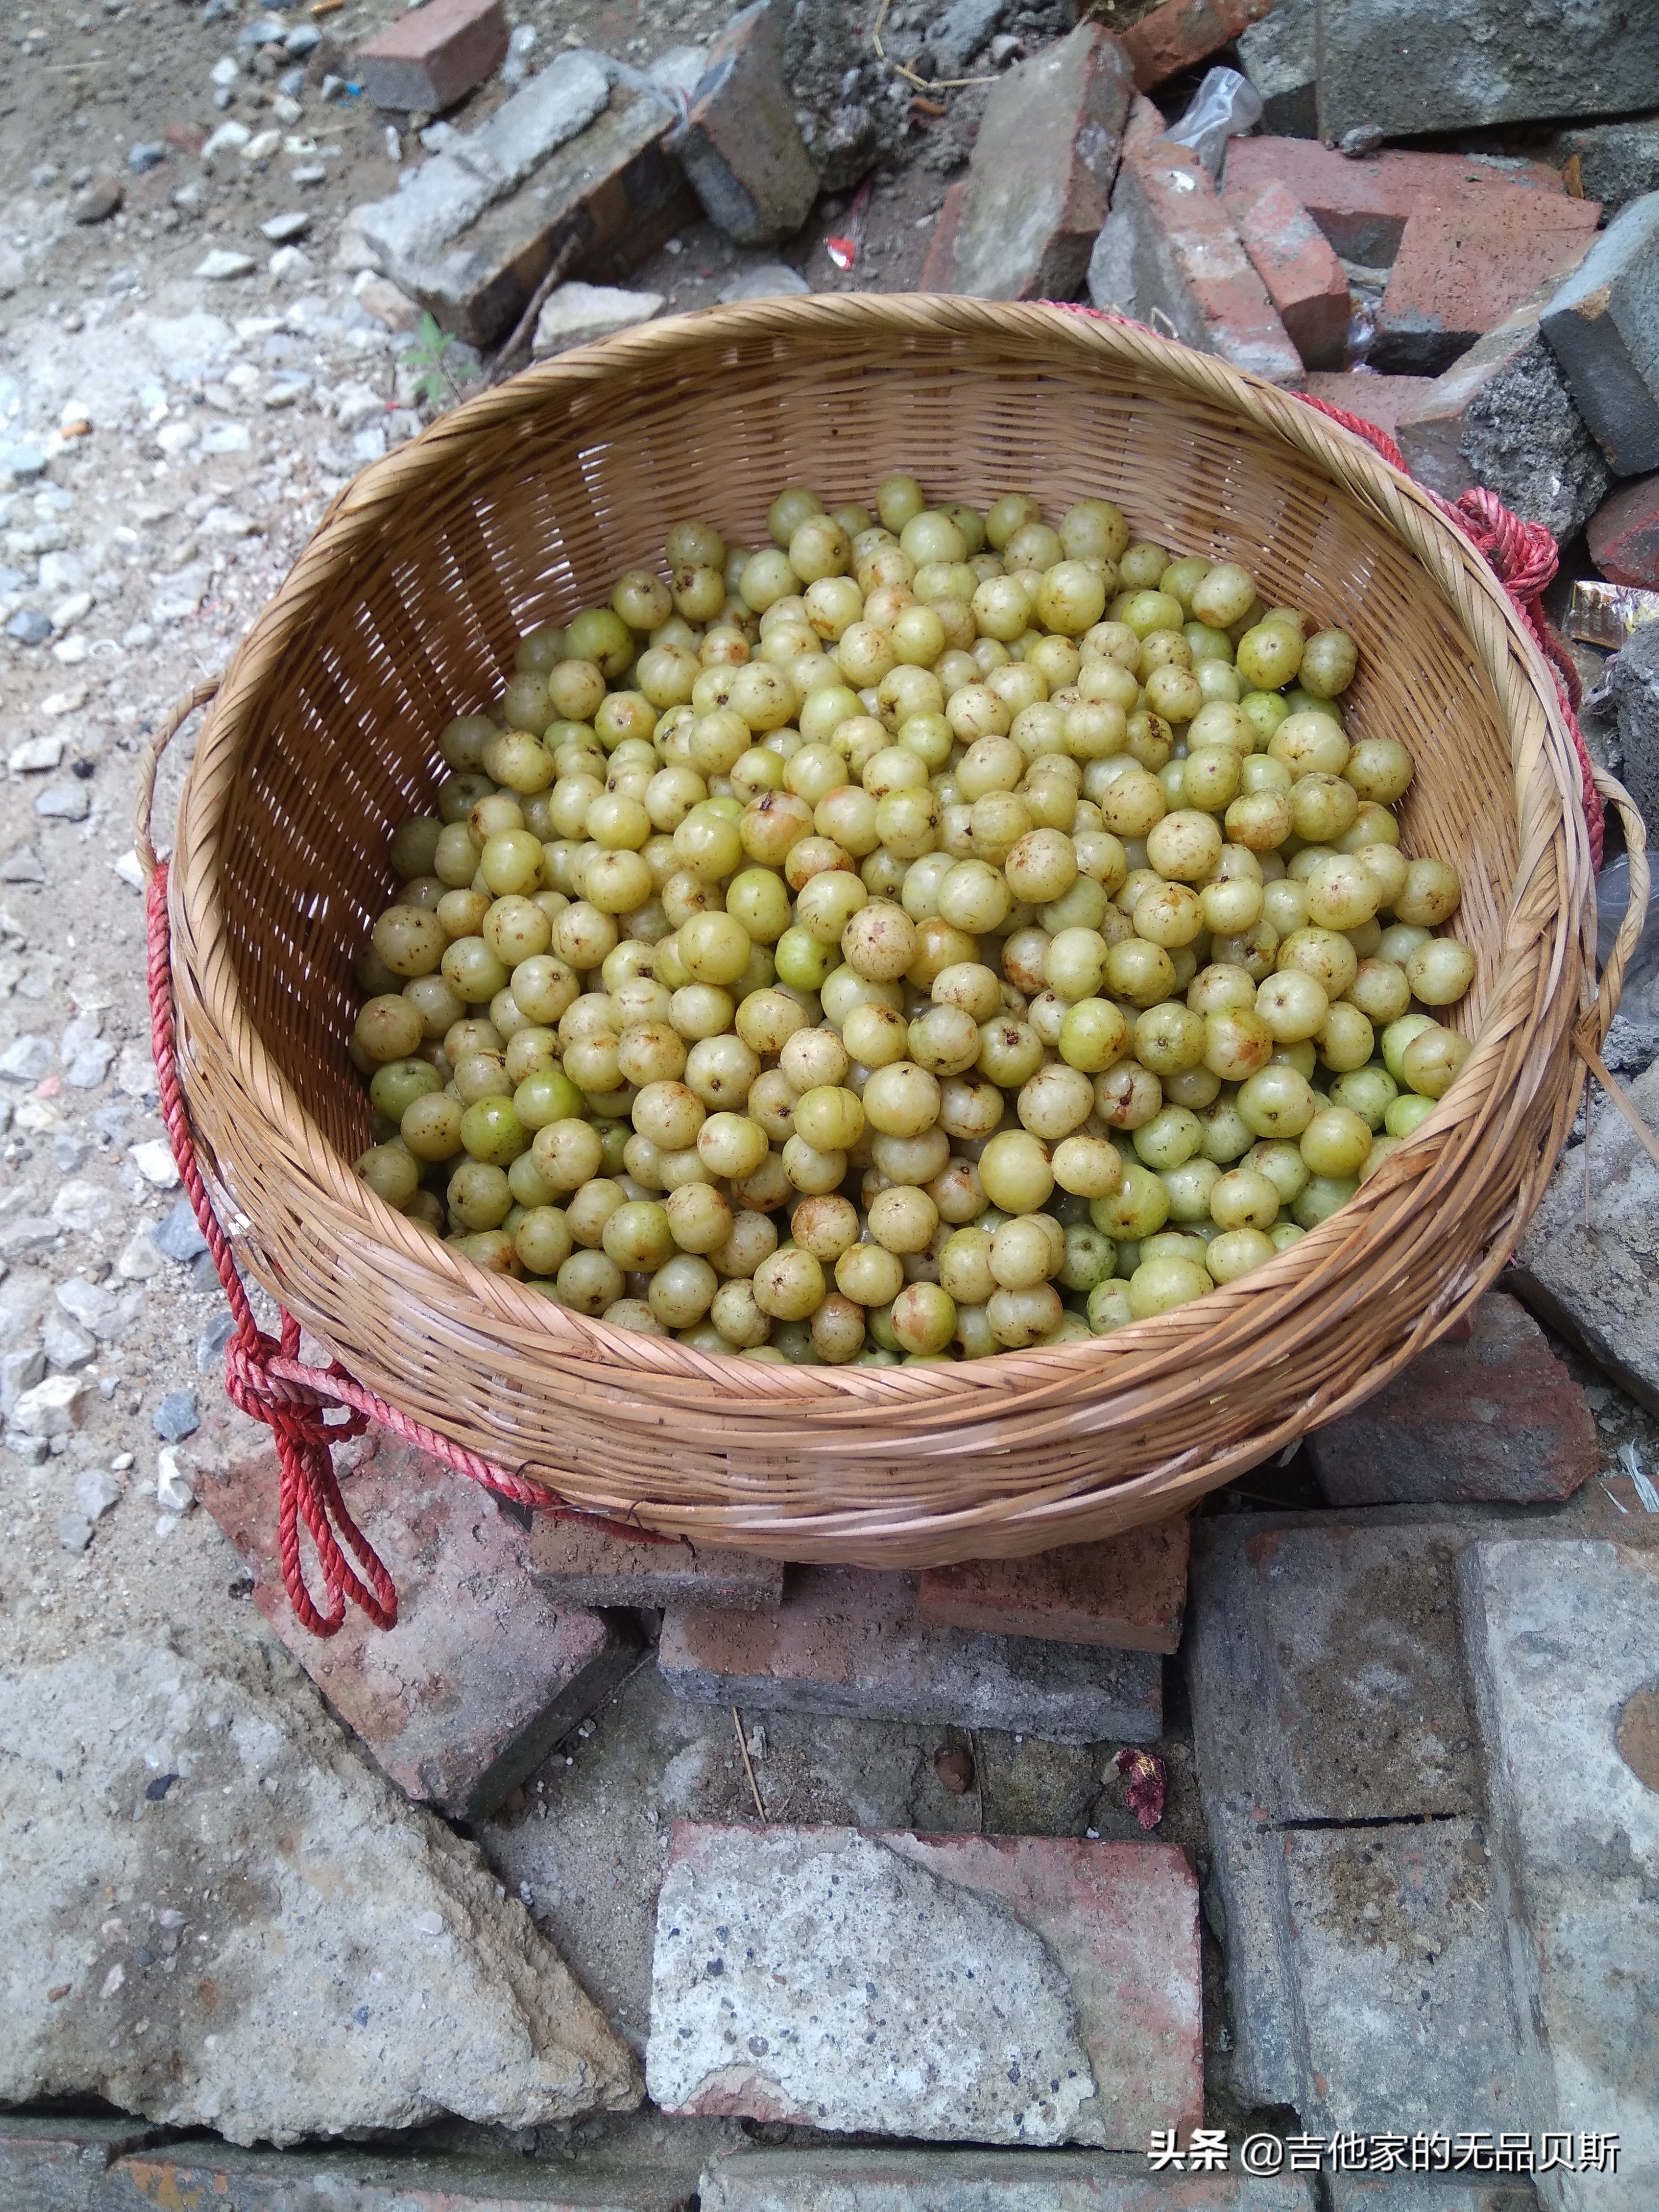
(1225, 106)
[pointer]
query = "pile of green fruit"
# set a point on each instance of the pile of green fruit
(921, 936)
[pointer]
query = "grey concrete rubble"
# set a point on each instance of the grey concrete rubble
(193, 1841)
(1591, 1270)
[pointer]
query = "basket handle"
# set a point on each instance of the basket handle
(1630, 929)
(150, 762)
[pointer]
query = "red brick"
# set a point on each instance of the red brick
(742, 147)
(583, 1565)
(938, 270)
(1296, 262)
(1129, 1594)
(1121, 1922)
(1469, 260)
(1379, 399)
(1362, 207)
(1183, 32)
(484, 1671)
(1624, 535)
(1041, 177)
(1496, 1421)
(848, 1641)
(434, 57)
(1170, 255)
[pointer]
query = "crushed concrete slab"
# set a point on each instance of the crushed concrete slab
(190, 1842)
(987, 2181)
(1561, 1637)
(1476, 65)
(848, 1640)
(910, 1985)
(75, 2164)
(1596, 1281)
(1332, 1730)
(1502, 417)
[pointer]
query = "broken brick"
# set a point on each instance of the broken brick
(1624, 535)
(1168, 255)
(1363, 206)
(1602, 329)
(434, 57)
(1181, 33)
(1466, 261)
(1378, 399)
(484, 1671)
(1041, 171)
(808, 1991)
(1295, 260)
(850, 1641)
(1502, 417)
(939, 269)
(1496, 1421)
(1129, 1594)
(742, 147)
(586, 1565)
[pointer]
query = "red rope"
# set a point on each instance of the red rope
(265, 1376)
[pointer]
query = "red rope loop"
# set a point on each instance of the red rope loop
(265, 1379)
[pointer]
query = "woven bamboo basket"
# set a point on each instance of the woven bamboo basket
(520, 506)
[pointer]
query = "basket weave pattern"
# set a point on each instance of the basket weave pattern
(522, 506)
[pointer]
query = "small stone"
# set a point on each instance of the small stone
(154, 1162)
(282, 229)
(134, 1071)
(228, 138)
(261, 147)
(581, 314)
(289, 264)
(381, 299)
(776, 280)
(31, 1450)
(90, 1065)
(65, 1343)
(173, 1492)
(93, 1307)
(64, 802)
(222, 264)
(29, 627)
(26, 1058)
(225, 73)
(19, 1371)
(99, 200)
(141, 1260)
(23, 461)
(954, 1769)
(211, 1345)
(177, 1417)
(81, 1206)
(74, 1531)
(53, 1408)
(96, 1491)
(179, 1236)
(148, 155)
(35, 754)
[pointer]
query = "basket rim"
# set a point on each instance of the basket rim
(1395, 502)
